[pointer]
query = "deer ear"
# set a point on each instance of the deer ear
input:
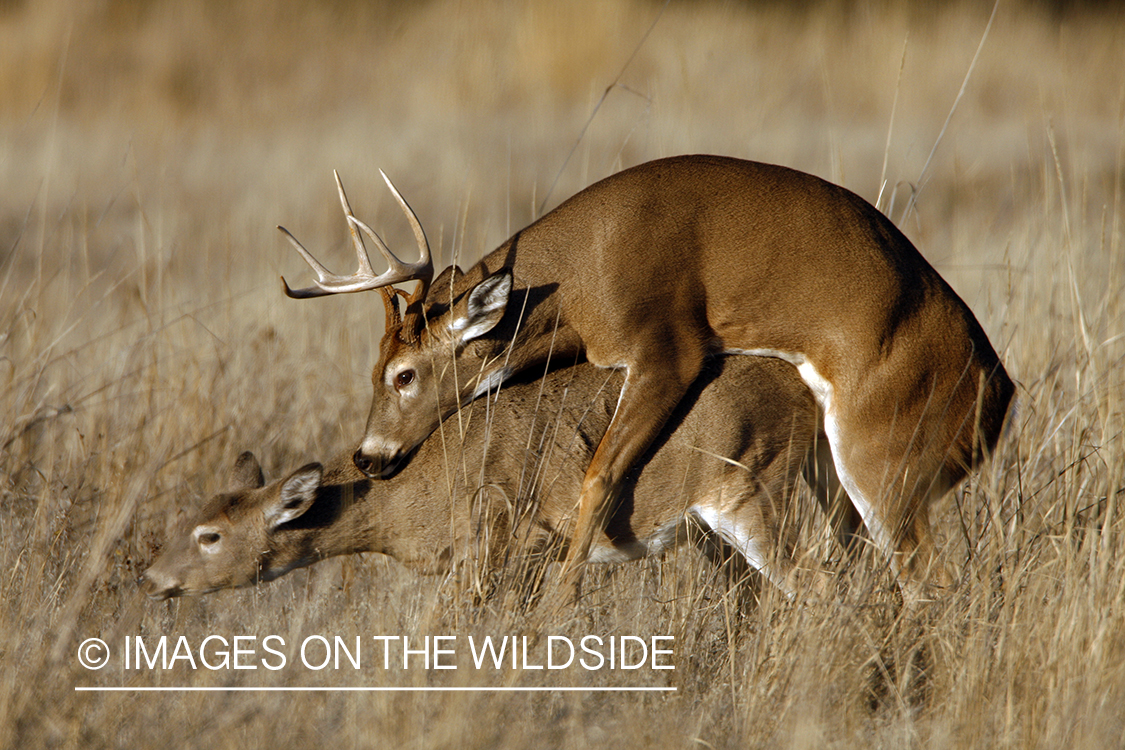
(484, 308)
(298, 492)
(247, 473)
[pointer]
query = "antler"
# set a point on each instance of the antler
(364, 277)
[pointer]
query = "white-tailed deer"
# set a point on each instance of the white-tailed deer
(727, 461)
(657, 267)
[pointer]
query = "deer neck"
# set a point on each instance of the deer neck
(534, 328)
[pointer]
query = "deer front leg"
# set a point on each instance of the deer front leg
(651, 391)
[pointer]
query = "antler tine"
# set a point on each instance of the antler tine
(407, 271)
(357, 240)
(364, 277)
(424, 267)
(323, 274)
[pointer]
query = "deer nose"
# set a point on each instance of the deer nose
(155, 589)
(378, 467)
(363, 463)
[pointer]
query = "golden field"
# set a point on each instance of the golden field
(148, 148)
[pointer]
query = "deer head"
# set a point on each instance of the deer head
(414, 383)
(242, 536)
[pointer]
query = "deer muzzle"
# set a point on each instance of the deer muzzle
(377, 466)
(157, 586)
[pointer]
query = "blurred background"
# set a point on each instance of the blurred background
(114, 106)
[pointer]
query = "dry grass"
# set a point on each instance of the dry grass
(148, 149)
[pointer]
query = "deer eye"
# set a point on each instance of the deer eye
(403, 379)
(209, 538)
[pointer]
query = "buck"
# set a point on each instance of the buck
(658, 267)
(727, 462)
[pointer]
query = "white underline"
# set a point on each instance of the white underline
(188, 689)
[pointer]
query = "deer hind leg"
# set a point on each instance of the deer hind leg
(893, 497)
